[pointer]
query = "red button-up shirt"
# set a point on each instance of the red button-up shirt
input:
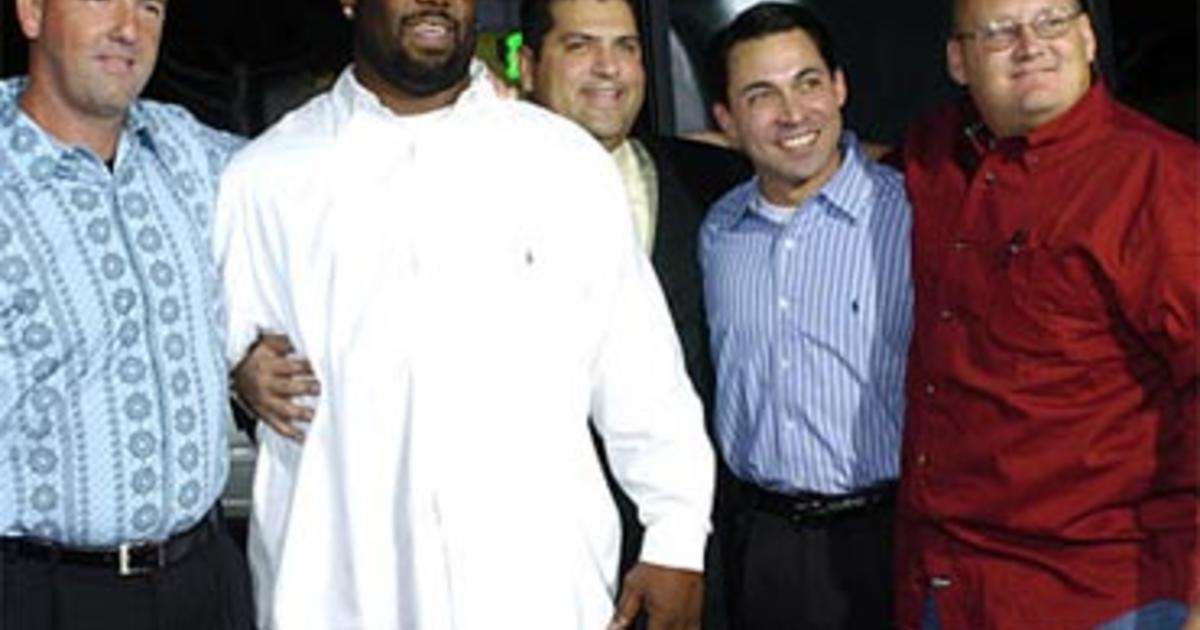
(1050, 473)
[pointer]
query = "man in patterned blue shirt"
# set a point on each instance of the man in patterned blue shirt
(113, 381)
(806, 276)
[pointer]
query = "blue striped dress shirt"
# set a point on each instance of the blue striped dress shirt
(810, 316)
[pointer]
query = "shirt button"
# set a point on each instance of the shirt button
(958, 245)
(922, 459)
(784, 363)
(940, 582)
(930, 389)
(784, 304)
(989, 178)
(789, 244)
(946, 315)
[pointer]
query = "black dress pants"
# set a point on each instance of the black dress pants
(209, 589)
(834, 574)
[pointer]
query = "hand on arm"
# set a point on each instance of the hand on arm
(268, 379)
(503, 88)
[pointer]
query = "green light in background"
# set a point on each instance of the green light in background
(512, 67)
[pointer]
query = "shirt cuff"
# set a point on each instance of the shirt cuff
(676, 545)
(238, 343)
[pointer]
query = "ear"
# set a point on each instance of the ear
(724, 119)
(29, 14)
(1089, 37)
(840, 89)
(528, 66)
(955, 63)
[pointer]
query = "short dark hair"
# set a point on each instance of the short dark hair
(537, 19)
(761, 20)
(953, 6)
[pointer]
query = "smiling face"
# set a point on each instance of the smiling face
(413, 48)
(783, 110)
(88, 60)
(589, 68)
(1034, 81)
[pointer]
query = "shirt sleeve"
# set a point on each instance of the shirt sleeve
(247, 258)
(216, 146)
(1158, 270)
(221, 146)
(1158, 289)
(648, 415)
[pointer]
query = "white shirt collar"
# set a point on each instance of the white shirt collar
(351, 98)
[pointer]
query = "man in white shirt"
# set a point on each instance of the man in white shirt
(465, 316)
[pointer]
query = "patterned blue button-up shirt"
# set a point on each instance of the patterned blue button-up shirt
(113, 381)
(810, 315)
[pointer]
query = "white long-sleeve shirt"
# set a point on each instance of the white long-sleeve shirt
(468, 286)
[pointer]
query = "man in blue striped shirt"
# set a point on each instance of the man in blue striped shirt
(806, 275)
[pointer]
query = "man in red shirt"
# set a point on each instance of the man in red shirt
(1050, 454)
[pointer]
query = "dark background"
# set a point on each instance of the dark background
(239, 63)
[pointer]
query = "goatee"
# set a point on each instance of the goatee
(413, 76)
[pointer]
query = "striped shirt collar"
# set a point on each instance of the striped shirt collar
(848, 194)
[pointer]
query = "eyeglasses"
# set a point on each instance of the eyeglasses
(1000, 35)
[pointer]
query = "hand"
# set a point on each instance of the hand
(267, 379)
(502, 87)
(1193, 618)
(709, 136)
(670, 597)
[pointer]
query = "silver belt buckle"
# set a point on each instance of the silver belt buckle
(125, 567)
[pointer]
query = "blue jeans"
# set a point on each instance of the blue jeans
(1164, 614)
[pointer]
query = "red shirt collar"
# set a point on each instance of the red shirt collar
(1073, 129)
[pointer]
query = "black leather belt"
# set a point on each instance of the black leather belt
(138, 558)
(812, 508)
